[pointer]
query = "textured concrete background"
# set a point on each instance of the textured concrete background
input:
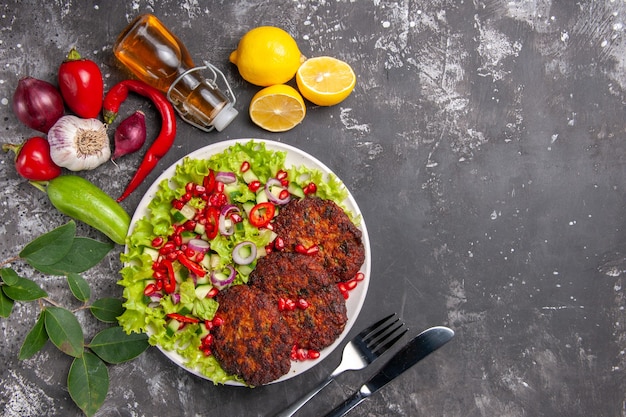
(485, 145)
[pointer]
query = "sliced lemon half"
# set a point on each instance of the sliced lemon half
(277, 108)
(325, 80)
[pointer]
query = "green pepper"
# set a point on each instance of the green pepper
(80, 199)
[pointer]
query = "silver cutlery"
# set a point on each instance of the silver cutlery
(417, 349)
(362, 350)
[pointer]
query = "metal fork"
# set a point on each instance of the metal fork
(362, 350)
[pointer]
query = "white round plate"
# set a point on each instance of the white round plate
(294, 157)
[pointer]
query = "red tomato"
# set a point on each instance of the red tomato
(81, 85)
(33, 161)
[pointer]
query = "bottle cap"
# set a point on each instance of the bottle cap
(224, 117)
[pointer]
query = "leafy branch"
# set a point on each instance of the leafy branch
(60, 252)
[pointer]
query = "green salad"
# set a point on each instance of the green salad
(203, 232)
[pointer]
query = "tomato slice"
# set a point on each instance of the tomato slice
(261, 214)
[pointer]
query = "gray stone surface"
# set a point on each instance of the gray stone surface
(485, 145)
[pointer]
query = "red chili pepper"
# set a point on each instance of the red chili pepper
(164, 141)
(183, 319)
(209, 182)
(261, 214)
(170, 280)
(191, 265)
(211, 227)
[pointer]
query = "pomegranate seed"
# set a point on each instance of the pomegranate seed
(185, 197)
(310, 188)
(157, 242)
(199, 257)
(212, 292)
(159, 285)
(360, 276)
(301, 354)
(312, 250)
(158, 275)
(198, 190)
(282, 304)
(254, 186)
(342, 287)
(167, 248)
(300, 248)
(346, 295)
(290, 305)
(178, 240)
(219, 187)
(217, 321)
(245, 166)
(269, 226)
(207, 352)
(189, 187)
(177, 204)
(190, 225)
(208, 324)
(303, 304)
(313, 354)
(150, 289)
(207, 341)
(279, 243)
(294, 350)
(281, 175)
(190, 253)
(350, 285)
(283, 194)
(269, 249)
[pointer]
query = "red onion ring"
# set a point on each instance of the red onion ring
(271, 197)
(199, 245)
(221, 280)
(225, 177)
(244, 260)
(225, 229)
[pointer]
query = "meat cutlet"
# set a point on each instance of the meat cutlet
(254, 341)
(299, 277)
(313, 221)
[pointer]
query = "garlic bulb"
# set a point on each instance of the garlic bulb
(79, 144)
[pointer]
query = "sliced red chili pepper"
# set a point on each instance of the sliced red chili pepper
(191, 265)
(261, 214)
(211, 227)
(169, 286)
(182, 318)
(209, 182)
(163, 142)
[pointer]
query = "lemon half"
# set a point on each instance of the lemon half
(277, 108)
(267, 55)
(325, 80)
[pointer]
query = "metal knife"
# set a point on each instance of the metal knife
(417, 349)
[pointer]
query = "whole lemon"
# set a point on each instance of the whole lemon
(267, 55)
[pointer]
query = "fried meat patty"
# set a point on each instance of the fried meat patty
(321, 323)
(312, 221)
(295, 276)
(290, 273)
(254, 341)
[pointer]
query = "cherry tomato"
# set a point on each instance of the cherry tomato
(81, 85)
(33, 161)
(261, 214)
